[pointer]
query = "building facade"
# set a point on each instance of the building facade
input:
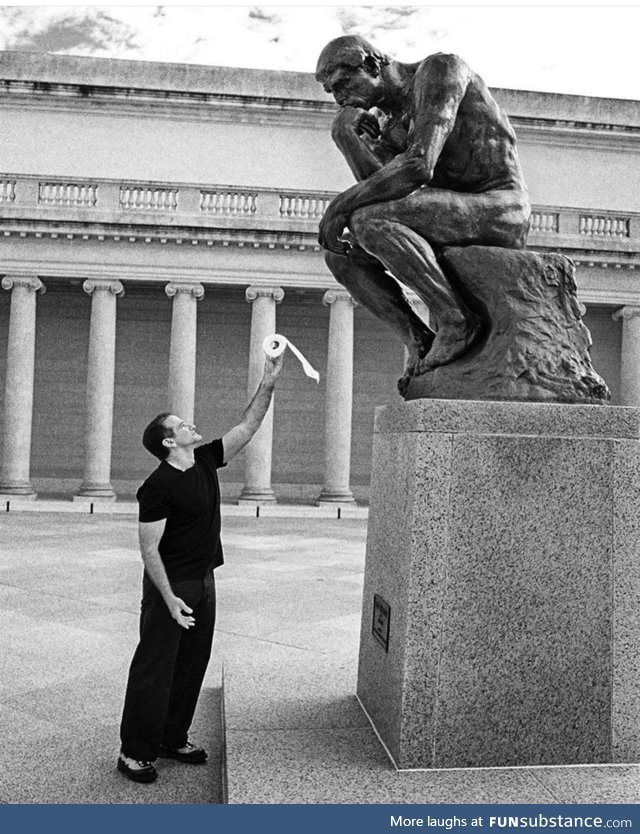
(158, 220)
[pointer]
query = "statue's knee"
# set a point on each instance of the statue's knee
(358, 222)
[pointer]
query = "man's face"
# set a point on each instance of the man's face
(354, 86)
(184, 434)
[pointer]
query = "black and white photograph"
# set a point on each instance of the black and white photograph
(320, 410)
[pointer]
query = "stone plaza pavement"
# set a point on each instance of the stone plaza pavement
(288, 628)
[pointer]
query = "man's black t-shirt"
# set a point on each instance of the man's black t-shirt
(190, 501)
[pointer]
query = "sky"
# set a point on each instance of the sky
(568, 48)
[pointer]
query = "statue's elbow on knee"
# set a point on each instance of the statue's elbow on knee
(334, 261)
(417, 169)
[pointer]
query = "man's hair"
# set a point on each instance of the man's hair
(155, 433)
(349, 51)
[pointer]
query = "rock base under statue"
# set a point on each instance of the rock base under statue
(501, 612)
(534, 347)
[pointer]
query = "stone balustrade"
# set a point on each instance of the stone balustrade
(545, 222)
(304, 206)
(7, 190)
(142, 198)
(229, 202)
(67, 194)
(604, 225)
(29, 198)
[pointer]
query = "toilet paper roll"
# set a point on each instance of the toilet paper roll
(276, 344)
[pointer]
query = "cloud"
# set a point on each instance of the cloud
(589, 50)
(77, 30)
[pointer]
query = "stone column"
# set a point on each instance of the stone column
(96, 483)
(630, 356)
(182, 353)
(257, 488)
(18, 399)
(339, 399)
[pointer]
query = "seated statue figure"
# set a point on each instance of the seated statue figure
(436, 165)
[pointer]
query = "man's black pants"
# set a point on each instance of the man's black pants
(167, 669)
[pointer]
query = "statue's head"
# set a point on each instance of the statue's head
(349, 68)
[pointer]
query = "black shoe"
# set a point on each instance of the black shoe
(137, 771)
(189, 754)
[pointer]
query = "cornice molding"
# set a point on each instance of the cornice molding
(556, 134)
(169, 236)
(208, 107)
(209, 276)
(97, 92)
(609, 297)
(614, 254)
(618, 281)
(238, 108)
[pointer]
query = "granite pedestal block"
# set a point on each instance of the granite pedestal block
(503, 556)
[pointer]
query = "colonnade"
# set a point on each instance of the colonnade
(96, 482)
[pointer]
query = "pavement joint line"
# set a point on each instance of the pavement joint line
(272, 642)
(555, 798)
(378, 736)
(576, 766)
(106, 608)
(130, 507)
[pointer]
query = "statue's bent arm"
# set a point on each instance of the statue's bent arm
(439, 85)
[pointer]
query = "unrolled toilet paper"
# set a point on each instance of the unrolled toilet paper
(275, 345)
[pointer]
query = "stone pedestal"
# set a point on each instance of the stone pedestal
(502, 555)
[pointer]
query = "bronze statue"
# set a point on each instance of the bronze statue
(437, 168)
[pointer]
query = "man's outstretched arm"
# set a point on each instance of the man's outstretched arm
(238, 437)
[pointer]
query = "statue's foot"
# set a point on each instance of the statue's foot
(452, 341)
(403, 384)
(417, 350)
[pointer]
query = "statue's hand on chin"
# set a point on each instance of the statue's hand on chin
(352, 120)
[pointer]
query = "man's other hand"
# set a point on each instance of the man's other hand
(179, 611)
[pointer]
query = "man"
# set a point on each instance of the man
(436, 164)
(179, 529)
